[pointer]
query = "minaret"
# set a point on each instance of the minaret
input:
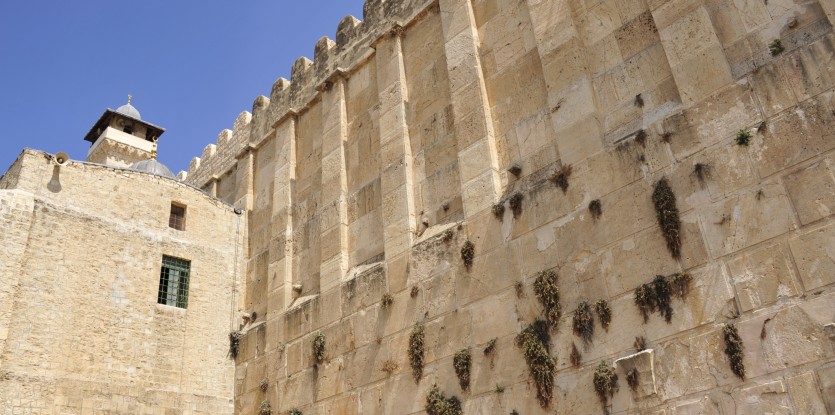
(121, 138)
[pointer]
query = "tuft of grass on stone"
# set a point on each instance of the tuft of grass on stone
(265, 408)
(595, 208)
(640, 343)
(515, 203)
(294, 412)
(490, 349)
(776, 47)
(234, 344)
(386, 301)
(632, 379)
(604, 313)
(318, 348)
(416, 351)
(264, 385)
(498, 211)
(414, 292)
(576, 357)
(560, 178)
(546, 290)
(666, 212)
(680, 284)
(390, 366)
(448, 235)
(702, 172)
(734, 350)
(515, 170)
(468, 254)
(462, 362)
(535, 344)
(605, 382)
(641, 138)
(639, 101)
(583, 322)
(499, 389)
(743, 137)
(438, 404)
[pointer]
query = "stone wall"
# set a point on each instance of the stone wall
(433, 123)
(80, 328)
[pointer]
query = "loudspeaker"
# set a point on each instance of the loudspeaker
(62, 158)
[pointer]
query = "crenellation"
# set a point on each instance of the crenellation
(347, 29)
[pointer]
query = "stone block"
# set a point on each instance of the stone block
(814, 257)
(763, 276)
(805, 394)
(812, 191)
(746, 219)
(644, 366)
(768, 398)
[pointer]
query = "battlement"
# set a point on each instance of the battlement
(354, 44)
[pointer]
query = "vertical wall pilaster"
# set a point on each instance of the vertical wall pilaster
(477, 156)
(334, 211)
(244, 179)
(282, 247)
(397, 182)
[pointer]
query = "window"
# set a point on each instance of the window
(177, 220)
(128, 129)
(173, 282)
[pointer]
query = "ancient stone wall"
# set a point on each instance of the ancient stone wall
(80, 328)
(543, 133)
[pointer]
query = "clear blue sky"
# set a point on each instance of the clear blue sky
(191, 66)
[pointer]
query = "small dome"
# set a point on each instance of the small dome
(129, 110)
(152, 166)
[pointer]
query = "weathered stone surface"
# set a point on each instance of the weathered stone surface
(814, 256)
(763, 276)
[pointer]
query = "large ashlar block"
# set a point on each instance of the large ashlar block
(699, 76)
(580, 140)
(644, 365)
(812, 191)
(637, 34)
(805, 394)
(811, 70)
(715, 119)
(768, 398)
(690, 36)
(747, 219)
(814, 256)
(763, 276)
(795, 136)
(599, 21)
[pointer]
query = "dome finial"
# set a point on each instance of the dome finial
(154, 150)
(129, 98)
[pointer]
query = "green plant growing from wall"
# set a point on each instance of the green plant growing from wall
(639, 101)
(535, 344)
(546, 290)
(462, 362)
(448, 235)
(499, 389)
(390, 366)
(294, 412)
(416, 351)
(265, 408)
(641, 137)
(265, 384)
(667, 214)
(734, 350)
(645, 300)
(595, 208)
(468, 254)
(515, 170)
(583, 322)
(702, 172)
(386, 301)
(234, 344)
(414, 292)
(560, 178)
(604, 313)
(680, 284)
(514, 412)
(743, 137)
(520, 289)
(775, 47)
(576, 357)
(632, 379)
(438, 404)
(498, 211)
(605, 382)
(515, 203)
(640, 343)
(663, 295)
(318, 348)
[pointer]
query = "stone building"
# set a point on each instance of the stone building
(567, 206)
(116, 283)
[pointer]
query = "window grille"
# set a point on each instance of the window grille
(173, 282)
(177, 220)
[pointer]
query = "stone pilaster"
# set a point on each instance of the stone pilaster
(397, 182)
(477, 157)
(334, 210)
(281, 246)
